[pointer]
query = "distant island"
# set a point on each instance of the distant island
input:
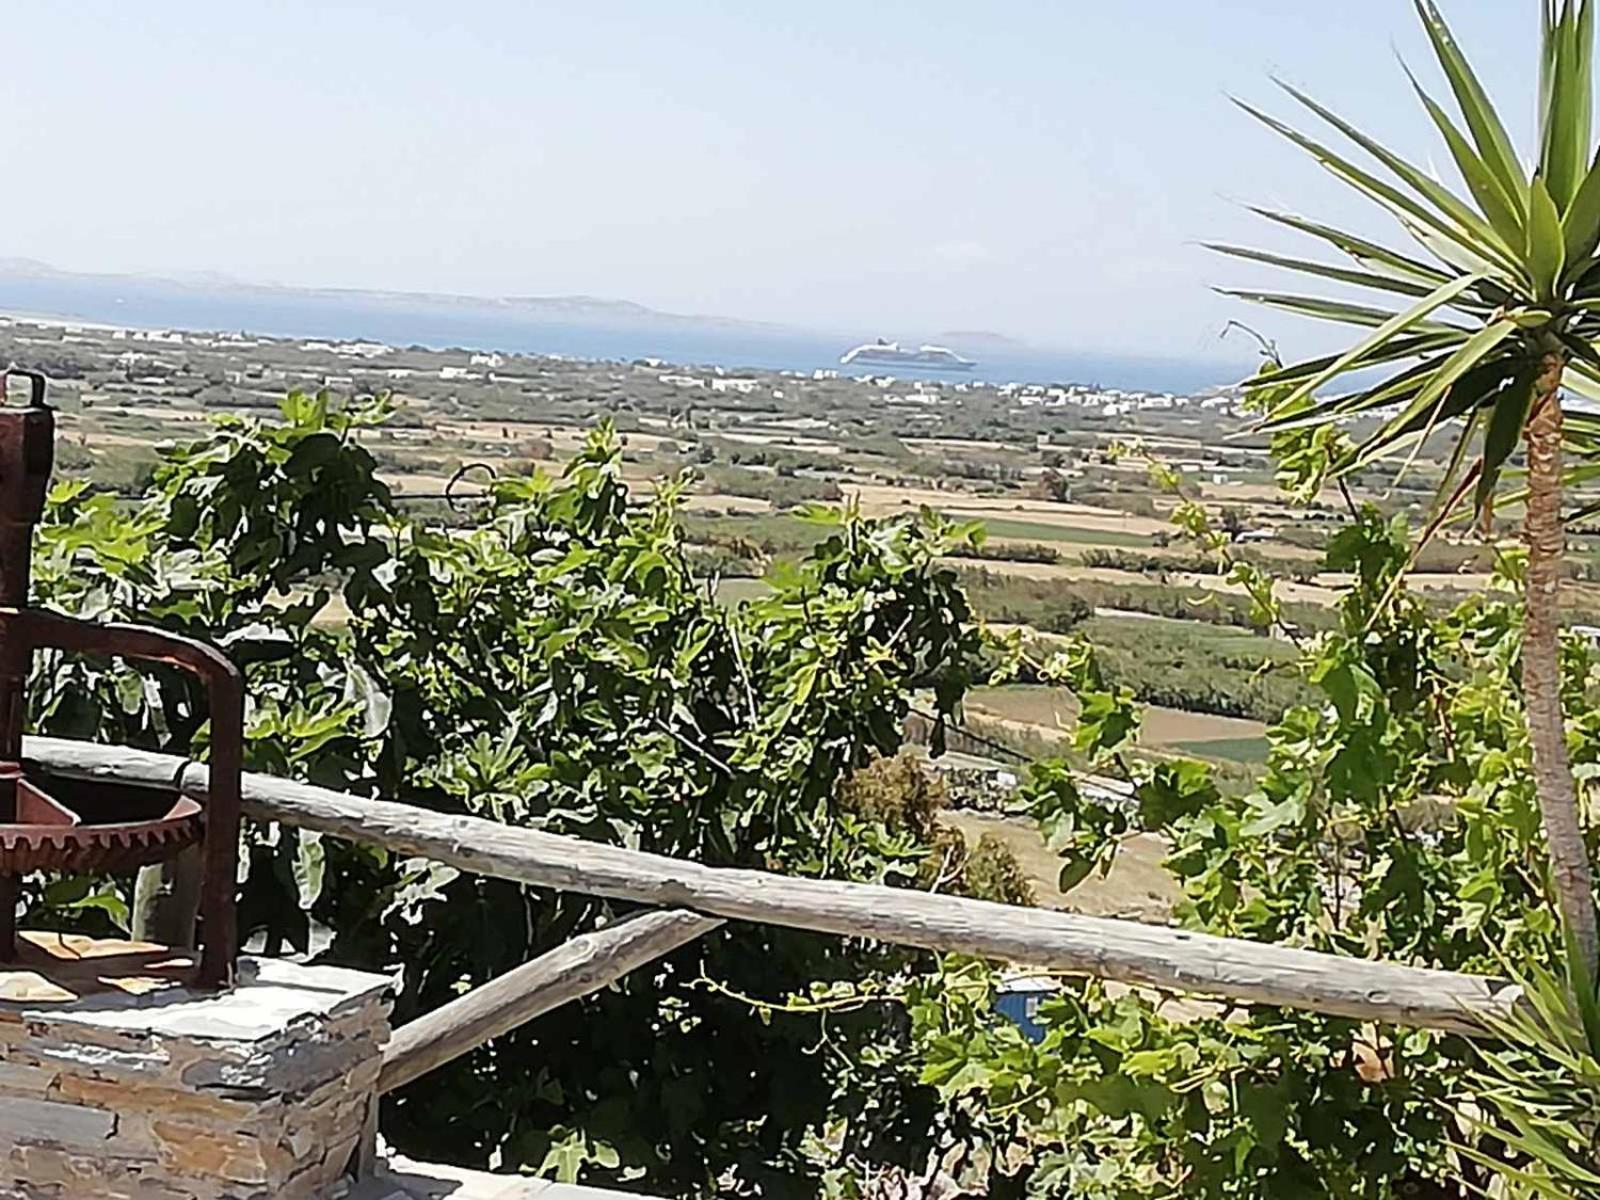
(576, 309)
(979, 339)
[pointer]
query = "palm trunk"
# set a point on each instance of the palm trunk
(1541, 664)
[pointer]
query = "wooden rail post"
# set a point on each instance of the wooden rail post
(571, 971)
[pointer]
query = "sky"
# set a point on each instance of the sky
(1043, 169)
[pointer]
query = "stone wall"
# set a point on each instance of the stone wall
(978, 789)
(263, 1091)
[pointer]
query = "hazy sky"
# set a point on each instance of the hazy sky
(1041, 169)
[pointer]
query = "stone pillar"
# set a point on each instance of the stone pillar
(118, 1082)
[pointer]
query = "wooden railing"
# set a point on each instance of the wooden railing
(692, 899)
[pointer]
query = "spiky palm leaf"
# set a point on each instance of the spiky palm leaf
(1504, 273)
(1534, 1109)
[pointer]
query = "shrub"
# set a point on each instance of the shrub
(992, 872)
(1035, 552)
(72, 457)
(552, 663)
(897, 792)
(1145, 563)
(903, 796)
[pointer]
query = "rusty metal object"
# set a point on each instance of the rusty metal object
(97, 828)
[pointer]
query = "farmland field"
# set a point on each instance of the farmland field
(1047, 483)
(1240, 749)
(1052, 711)
(1049, 531)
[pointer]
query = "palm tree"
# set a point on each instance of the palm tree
(1497, 314)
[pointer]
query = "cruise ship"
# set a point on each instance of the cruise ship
(891, 354)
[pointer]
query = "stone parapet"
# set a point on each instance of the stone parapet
(119, 1082)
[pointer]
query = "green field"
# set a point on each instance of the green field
(1045, 531)
(738, 590)
(1240, 750)
(1198, 667)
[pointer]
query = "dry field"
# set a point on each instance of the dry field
(1325, 590)
(1052, 712)
(783, 441)
(1137, 886)
(432, 485)
(937, 443)
(882, 500)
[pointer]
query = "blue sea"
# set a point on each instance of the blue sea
(160, 304)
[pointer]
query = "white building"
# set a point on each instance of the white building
(365, 350)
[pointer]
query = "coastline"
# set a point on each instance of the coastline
(139, 306)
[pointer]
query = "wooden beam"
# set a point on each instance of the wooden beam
(402, 1179)
(1154, 956)
(573, 970)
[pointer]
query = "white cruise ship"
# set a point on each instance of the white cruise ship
(891, 354)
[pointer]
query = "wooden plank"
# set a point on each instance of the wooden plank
(583, 965)
(166, 899)
(1174, 960)
(402, 1179)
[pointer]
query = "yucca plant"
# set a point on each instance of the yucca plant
(1533, 1115)
(1491, 314)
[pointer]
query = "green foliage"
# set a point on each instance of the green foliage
(1084, 835)
(1034, 552)
(553, 663)
(1198, 668)
(1396, 819)
(1303, 456)
(1121, 1100)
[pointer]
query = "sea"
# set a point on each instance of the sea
(162, 304)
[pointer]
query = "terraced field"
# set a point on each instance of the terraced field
(1053, 712)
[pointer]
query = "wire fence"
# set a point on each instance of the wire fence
(960, 739)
